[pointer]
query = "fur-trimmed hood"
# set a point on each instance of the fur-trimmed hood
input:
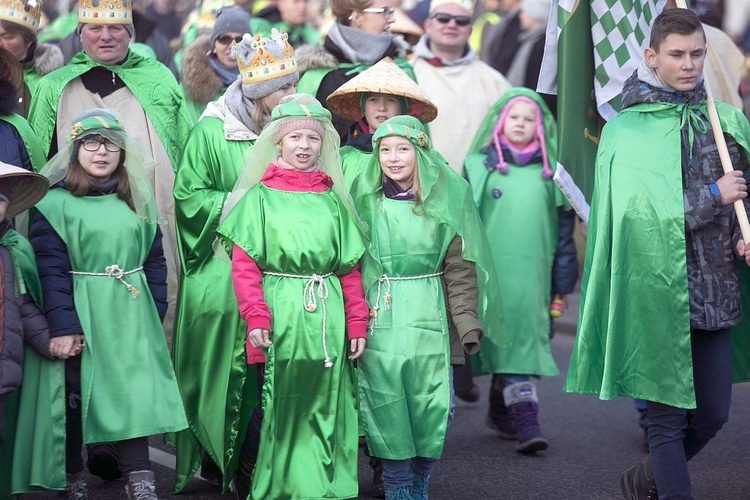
(47, 58)
(199, 80)
(314, 56)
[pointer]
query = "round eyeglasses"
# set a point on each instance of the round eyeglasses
(94, 145)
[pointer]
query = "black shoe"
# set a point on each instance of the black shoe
(378, 489)
(638, 482)
(103, 461)
(210, 472)
(472, 395)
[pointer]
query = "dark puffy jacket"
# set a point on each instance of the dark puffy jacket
(21, 322)
(57, 283)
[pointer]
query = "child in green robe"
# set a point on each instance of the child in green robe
(427, 264)
(295, 247)
(103, 275)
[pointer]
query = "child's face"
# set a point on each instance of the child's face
(679, 60)
(398, 160)
(380, 107)
(301, 148)
(99, 157)
(520, 124)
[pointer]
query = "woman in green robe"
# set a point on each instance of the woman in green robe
(510, 170)
(425, 242)
(209, 331)
(103, 276)
(375, 95)
(295, 245)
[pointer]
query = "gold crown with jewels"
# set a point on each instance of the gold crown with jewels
(264, 65)
(105, 12)
(26, 14)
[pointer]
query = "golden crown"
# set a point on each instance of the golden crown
(207, 13)
(26, 14)
(264, 65)
(105, 12)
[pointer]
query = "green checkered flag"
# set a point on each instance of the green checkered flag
(620, 32)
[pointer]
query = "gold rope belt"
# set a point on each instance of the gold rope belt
(309, 300)
(387, 296)
(115, 272)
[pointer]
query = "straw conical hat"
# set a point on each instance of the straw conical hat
(26, 188)
(11, 70)
(384, 77)
(404, 24)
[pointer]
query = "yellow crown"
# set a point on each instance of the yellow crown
(207, 13)
(105, 12)
(26, 14)
(264, 65)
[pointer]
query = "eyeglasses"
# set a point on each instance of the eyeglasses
(227, 39)
(95, 144)
(386, 11)
(443, 18)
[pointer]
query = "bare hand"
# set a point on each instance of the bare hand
(732, 187)
(259, 338)
(66, 346)
(743, 252)
(357, 346)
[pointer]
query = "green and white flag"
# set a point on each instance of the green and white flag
(592, 47)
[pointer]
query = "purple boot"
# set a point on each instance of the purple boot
(522, 399)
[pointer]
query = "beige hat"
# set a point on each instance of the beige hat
(385, 77)
(11, 70)
(466, 4)
(26, 188)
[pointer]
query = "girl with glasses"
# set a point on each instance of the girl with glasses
(99, 252)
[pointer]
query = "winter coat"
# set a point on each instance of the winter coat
(461, 300)
(47, 58)
(199, 82)
(22, 322)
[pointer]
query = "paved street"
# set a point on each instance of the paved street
(591, 443)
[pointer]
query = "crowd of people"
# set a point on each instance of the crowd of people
(276, 238)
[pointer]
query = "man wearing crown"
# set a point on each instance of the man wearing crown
(108, 74)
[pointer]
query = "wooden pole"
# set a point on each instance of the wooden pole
(721, 144)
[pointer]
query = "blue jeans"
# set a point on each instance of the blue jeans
(675, 435)
(400, 473)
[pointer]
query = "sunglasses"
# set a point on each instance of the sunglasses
(446, 18)
(95, 144)
(227, 39)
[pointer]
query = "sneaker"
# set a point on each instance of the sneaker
(75, 487)
(103, 461)
(638, 482)
(141, 485)
(378, 489)
(530, 439)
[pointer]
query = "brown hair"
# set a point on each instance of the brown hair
(677, 21)
(342, 9)
(77, 182)
(26, 33)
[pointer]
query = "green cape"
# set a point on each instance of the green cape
(150, 81)
(634, 321)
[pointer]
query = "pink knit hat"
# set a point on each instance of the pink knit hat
(290, 126)
(497, 133)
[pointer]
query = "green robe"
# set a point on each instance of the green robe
(150, 81)
(308, 443)
(521, 225)
(39, 404)
(209, 331)
(29, 138)
(403, 377)
(353, 162)
(128, 387)
(633, 335)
